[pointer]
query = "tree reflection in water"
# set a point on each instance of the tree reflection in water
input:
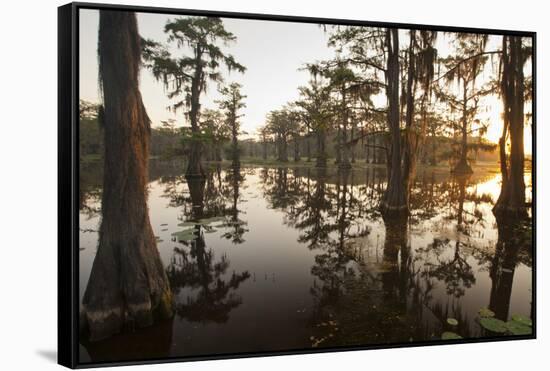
(194, 270)
(236, 225)
(513, 246)
(364, 299)
(372, 280)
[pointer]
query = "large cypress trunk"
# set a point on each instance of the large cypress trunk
(194, 165)
(512, 195)
(128, 284)
(394, 200)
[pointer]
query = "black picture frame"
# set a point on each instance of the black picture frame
(68, 178)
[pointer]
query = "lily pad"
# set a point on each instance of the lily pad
(185, 235)
(493, 324)
(211, 220)
(516, 328)
(522, 320)
(186, 224)
(452, 321)
(486, 312)
(448, 335)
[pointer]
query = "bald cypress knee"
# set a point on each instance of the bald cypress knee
(128, 285)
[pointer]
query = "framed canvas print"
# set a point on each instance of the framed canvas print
(235, 185)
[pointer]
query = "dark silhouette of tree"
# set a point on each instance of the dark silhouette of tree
(514, 240)
(127, 285)
(395, 198)
(464, 68)
(282, 124)
(237, 226)
(216, 131)
(455, 272)
(189, 75)
(265, 138)
(194, 266)
(512, 196)
(231, 103)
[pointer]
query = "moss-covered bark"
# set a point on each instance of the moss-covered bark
(127, 286)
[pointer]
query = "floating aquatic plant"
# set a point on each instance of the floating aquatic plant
(493, 324)
(452, 321)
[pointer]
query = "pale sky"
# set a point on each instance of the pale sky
(273, 53)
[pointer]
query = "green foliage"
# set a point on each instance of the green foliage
(90, 129)
(448, 335)
(185, 235)
(185, 75)
(518, 325)
(522, 320)
(231, 103)
(493, 324)
(518, 328)
(284, 122)
(315, 103)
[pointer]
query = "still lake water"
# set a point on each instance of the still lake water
(295, 258)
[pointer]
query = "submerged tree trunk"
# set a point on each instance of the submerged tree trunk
(128, 284)
(394, 200)
(194, 164)
(512, 194)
